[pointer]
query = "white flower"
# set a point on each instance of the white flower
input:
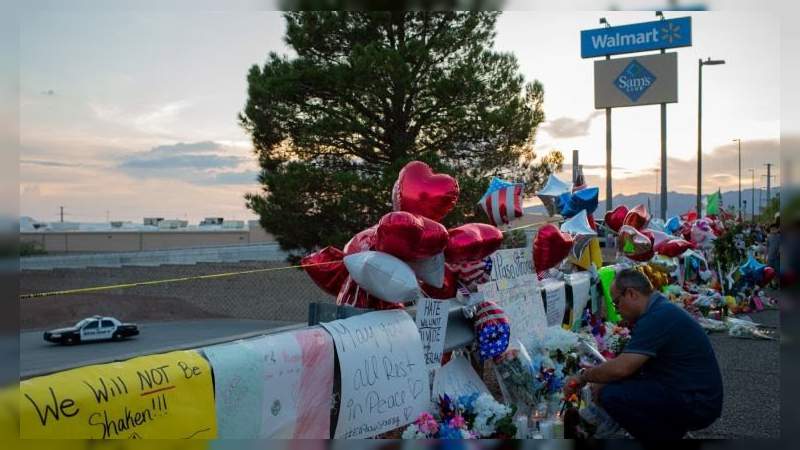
(413, 433)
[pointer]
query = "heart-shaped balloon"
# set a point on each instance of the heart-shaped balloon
(633, 244)
(351, 294)
(430, 270)
(326, 269)
(659, 237)
(767, 275)
(471, 242)
(637, 217)
(550, 247)
(616, 217)
(673, 247)
(362, 241)
(420, 191)
(410, 237)
(448, 289)
(383, 276)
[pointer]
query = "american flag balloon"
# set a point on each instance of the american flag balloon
(472, 273)
(502, 204)
(492, 329)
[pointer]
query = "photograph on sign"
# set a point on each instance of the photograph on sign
(637, 37)
(641, 80)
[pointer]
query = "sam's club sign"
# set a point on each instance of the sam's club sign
(637, 37)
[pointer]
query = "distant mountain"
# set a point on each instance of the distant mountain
(677, 202)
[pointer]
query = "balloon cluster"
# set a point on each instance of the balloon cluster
(640, 237)
(755, 272)
(408, 251)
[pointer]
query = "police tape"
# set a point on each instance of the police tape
(199, 277)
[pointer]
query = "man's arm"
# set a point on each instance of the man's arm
(615, 369)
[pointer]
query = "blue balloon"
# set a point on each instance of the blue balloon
(752, 270)
(496, 184)
(585, 199)
(673, 225)
(561, 202)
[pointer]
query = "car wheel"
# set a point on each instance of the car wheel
(116, 337)
(69, 340)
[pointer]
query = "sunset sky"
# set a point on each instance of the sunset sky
(134, 114)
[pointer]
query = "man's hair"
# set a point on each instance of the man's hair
(633, 279)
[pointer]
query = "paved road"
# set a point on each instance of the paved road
(38, 356)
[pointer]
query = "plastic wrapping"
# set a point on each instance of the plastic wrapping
(514, 372)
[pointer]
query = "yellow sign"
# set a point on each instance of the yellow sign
(167, 396)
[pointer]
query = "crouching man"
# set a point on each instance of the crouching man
(667, 381)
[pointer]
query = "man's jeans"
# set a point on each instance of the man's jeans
(649, 410)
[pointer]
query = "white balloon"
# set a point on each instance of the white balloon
(656, 224)
(555, 187)
(578, 226)
(383, 276)
(430, 270)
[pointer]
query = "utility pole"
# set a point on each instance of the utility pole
(663, 149)
(753, 195)
(739, 141)
(62, 213)
(769, 181)
(662, 195)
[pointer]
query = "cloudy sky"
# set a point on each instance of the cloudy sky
(134, 114)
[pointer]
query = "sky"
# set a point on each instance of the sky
(131, 114)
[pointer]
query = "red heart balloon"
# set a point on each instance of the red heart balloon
(550, 247)
(673, 247)
(767, 276)
(352, 295)
(448, 289)
(419, 191)
(410, 237)
(633, 244)
(326, 269)
(649, 235)
(472, 241)
(637, 217)
(362, 241)
(615, 217)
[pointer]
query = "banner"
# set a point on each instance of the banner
(166, 396)
(277, 386)
(383, 374)
(457, 378)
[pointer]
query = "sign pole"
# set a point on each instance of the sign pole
(609, 193)
(663, 159)
(699, 135)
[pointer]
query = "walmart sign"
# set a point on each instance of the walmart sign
(637, 37)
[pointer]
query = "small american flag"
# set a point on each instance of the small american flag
(503, 205)
(472, 273)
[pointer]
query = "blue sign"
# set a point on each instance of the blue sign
(634, 80)
(637, 37)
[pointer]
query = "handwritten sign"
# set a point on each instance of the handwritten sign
(276, 386)
(521, 299)
(384, 375)
(457, 378)
(431, 321)
(511, 263)
(580, 283)
(556, 297)
(163, 396)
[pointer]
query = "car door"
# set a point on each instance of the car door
(91, 331)
(107, 328)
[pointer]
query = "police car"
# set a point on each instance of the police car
(95, 328)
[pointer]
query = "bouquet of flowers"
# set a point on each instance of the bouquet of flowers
(610, 338)
(469, 417)
(515, 374)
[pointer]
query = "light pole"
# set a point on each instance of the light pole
(753, 196)
(739, 141)
(700, 64)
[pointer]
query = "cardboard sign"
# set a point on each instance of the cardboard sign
(457, 378)
(512, 263)
(167, 396)
(431, 321)
(556, 298)
(522, 302)
(276, 386)
(383, 373)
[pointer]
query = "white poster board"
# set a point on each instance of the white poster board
(276, 386)
(580, 283)
(385, 382)
(457, 378)
(511, 263)
(556, 298)
(431, 319)
(522, 302)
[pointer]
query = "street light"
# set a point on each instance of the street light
(753, 196)
(700, 64)
(739, 141)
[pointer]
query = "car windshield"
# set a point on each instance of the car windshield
(81, 323)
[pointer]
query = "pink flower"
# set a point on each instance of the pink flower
(458, 422)
(427, 424)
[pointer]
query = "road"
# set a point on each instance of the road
(38, 356)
